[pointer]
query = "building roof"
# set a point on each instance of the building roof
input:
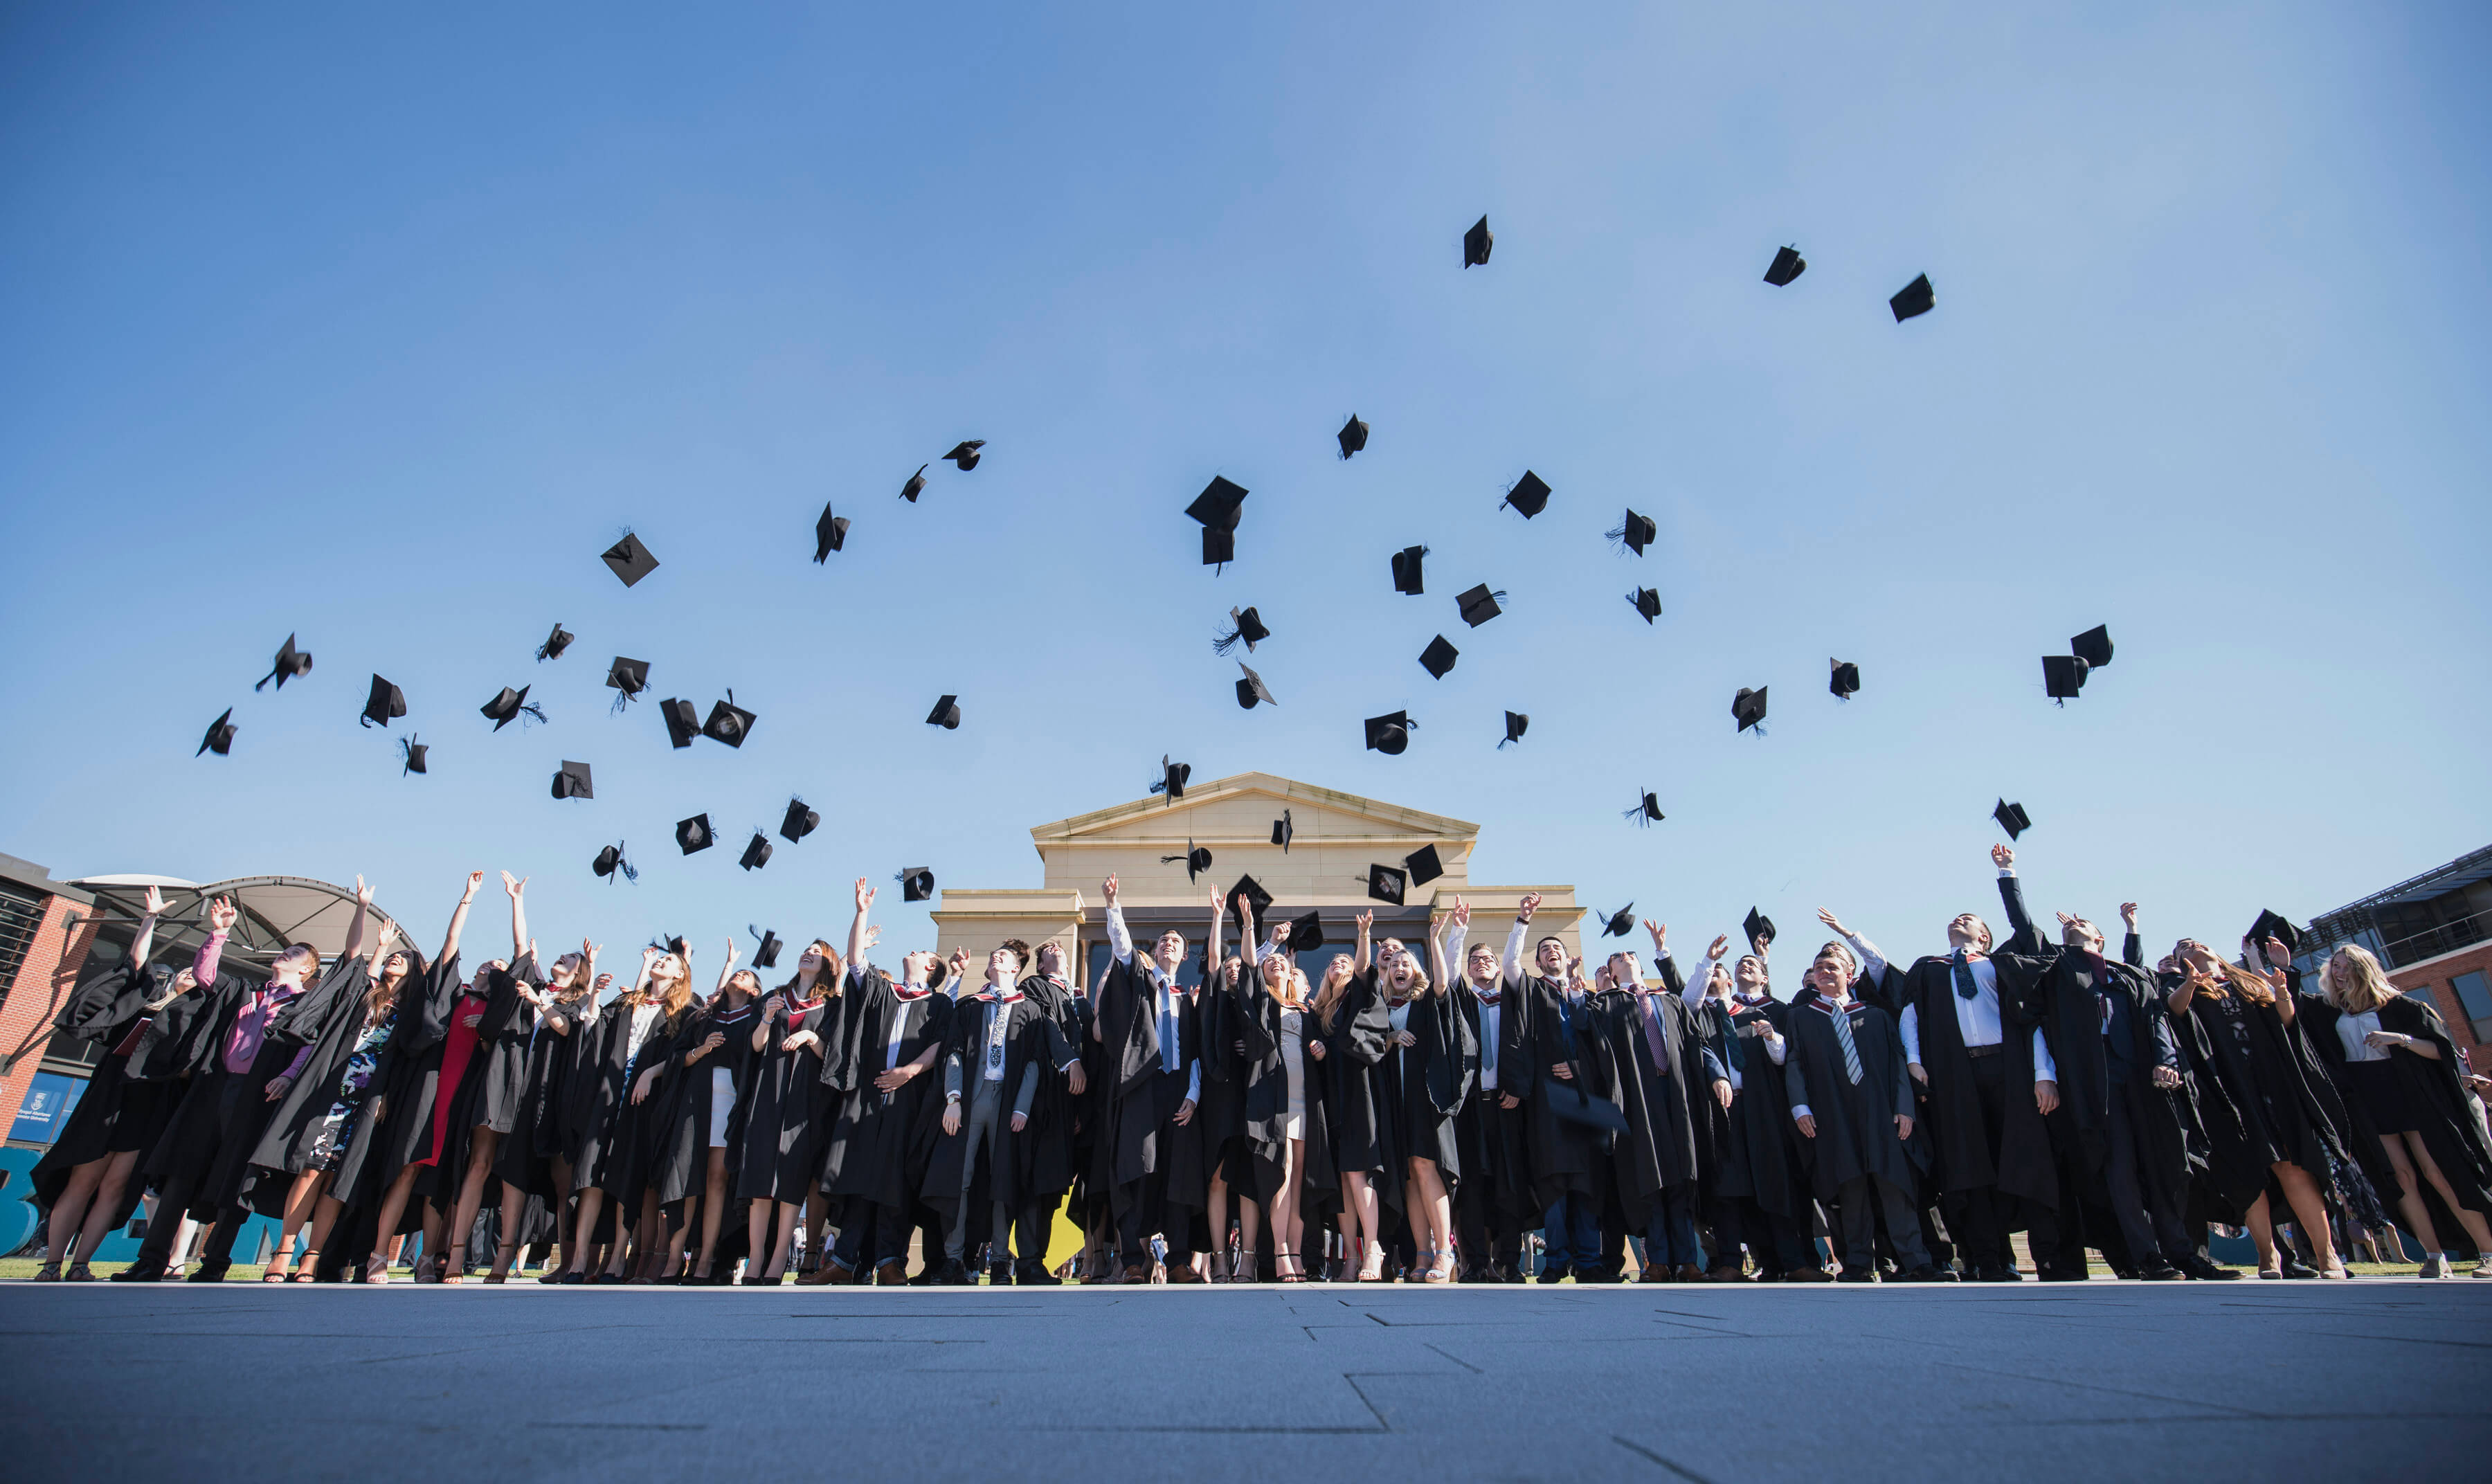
(38, 879)
(1396, 821)
(2439, 881)
(276, 911)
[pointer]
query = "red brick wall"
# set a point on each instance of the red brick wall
(2434, 978)
(54, 961)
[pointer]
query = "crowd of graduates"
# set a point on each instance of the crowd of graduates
(1209, 1111)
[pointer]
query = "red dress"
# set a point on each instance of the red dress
(464, 1017)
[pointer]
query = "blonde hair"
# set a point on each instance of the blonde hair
(2354, 982)
(1336, 984)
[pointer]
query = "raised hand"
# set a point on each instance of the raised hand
(475, 878)
(514, 884)
(730, 950)
(1108, 889)
(156, 899)
(1461, 913)
(362, 895)
(1529, 904)
(1366, 920)
(2002, 857)
(864, 895)
(2275, 951)
(650, 955)
(1833, 924)
(1218, 902)
(2128, 915)
(1720, 945)
(770, 1009)
(222, 914)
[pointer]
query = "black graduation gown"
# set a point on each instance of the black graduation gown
(883, 1139)
(642, 1131)
(1855, 1122)
(1658, 1152)
(684, 1169)
(1140, 1137)
(2066, 985)
(1566, 1157)
(1756, 1161)
(2434, 1094)
(108, 1007)
(1053, 1156)
(1222, 1112)
(202, 1138)
(790, 1112)
(406, 1080)
(329, 1017)
(524, 1158)
(588, 1113)
(1266, 1104)
(497, 1079)
(1358, 1097)
(1031, 1037)
(1959, 1137)
(1434, 1077)
(1489, 1134)
(2261, 1097)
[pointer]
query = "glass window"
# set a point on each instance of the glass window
(2477, 999)
(49, 1099)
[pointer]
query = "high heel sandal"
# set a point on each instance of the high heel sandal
(376, 1268)
(275, 1271)
(49, 1272)
(78, 1273)
(306, 1267)
(454, 1264)
(1441, 1271)
(1283, 1263)
(1371, 1264)
(501, 1272)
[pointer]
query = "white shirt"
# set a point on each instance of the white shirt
(1491, 1016)
(2352, 1029)
(1694, 996)
(644, 1018)
(1120, 944)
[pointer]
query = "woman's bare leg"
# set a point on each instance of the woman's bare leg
(69, 1213)
(482, 1142)
(1250, 1225)
(1285, 1206)
(2310, 1214)
(2410, 1194)
(2261, 1232)
(1216, 1214)
(392, 1210)
(764, 1258)
(100, 1211)
(300, 1199)
(713, 1210)
(583, 1232)
(2467, 1216)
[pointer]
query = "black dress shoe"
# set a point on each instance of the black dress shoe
(1929, 1272)
(955, 1274)
(2161, 1272)
(999, 1275)
(1035, 1275)
(2208, 1269)
(2063, 1275)
(1806, 1275)
(1997, 1275)
(215, 1274)
(1858, 1275)
(1553, 1272)
(2294, 1267)
(1507, 1272)
(144, 1270)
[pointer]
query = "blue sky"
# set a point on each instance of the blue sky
(377, 327)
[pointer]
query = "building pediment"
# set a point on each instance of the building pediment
(1240, 809)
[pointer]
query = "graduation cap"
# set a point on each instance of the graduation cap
(1846, 678)
(1256, 897)
(1516, 723)
(1389, 734)
(555, 644)
(1220, 504)
(1787, 265)
(964, 453)
(766, 956)
(2272, 923)
(946, 714)
(1423, 865)
(683, 723)
(1251, 689)
(1529, 496)
(1386, 883)
(1620, 923)
(2064, 676)
(630, 560)
(1284, 830)
(413, 753)
(290, 662)
(221, 735)
(1573, 1103)
(729, 723)
(916, 483)
(1244, 624)
(386, 704)
(1636, 532)
(1173, 777)
(610, 860)
(1438, 657)
(916, 883)
(1352, 437)
(830, 534)
(1748, 708)
(1646, 813)
(693, 834)
(1407, 577)
(1219, 547)
(757, 852)
(1306, 933)
(1477, 243)
(1197, 858)
(2093, 646)
(2012, 818)
(799, 822)
(571, 781)
(628, 678)
(1914, 298)
(1759, 928)
(1479, 605)
(509, 705)
(1646, 602)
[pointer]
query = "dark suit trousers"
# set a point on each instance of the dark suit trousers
(1985, 1213)
(2149, 1215)
(1142, 1206)
(174, 1197)
(1488, 1231)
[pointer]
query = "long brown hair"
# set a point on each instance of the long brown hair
(827, 983)
(2232, 978)
(2354, 982)
(1335, 985)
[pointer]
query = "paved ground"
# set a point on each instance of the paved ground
(2370, 1379)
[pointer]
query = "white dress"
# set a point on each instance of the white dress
(1293, 1042)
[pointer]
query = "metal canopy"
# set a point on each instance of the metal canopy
(276, 911)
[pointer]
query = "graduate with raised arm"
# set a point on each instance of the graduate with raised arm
(790, 1112)
(1274, 1014)
(1851, 1099)
(1493, 1203)
(1220, 1118)
(533, 1157)
(1001, 1043)
(1663, 1073)
(707, 1131)
(1152, 1040)
(893, 1034)
(1759, 1198)
(1546, 1064)
(1060, 1153)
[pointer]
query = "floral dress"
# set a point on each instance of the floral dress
(338, 1124)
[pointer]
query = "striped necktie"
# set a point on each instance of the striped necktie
(1841, 1015)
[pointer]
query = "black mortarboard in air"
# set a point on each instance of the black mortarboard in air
(290, 662)
(1646, 813)
(630, 560)
(799, 822)
(1220, 505)
(946, 714)
(1306, 933)
(1244, 624)
(1284, 830)
(509, 705)
(1386, 883)
(916, 483)
(1407, 577)
(693, 834)
(572, 780)
(1787, 265)
(1423, 865)
(1219, 547)
(1760, 927)
(1530, 494)
(1479, 605)
(964, 453)
(1251, 689)
(1846, 678)
(767, 953)
(830, 534)
(414, 751)
(1197, 858)
(1256, 897)
(1748, 708)
(683, 723)
(386, 704)
(1438, 657)
(916, 883)
(1914, 298)
(1477, 243)
(1352, 437)
(1516, 723)
(627, 679)
(1389, 734)
(1636, 532)
(1173, 777)
(729, 723)
(1620, 923)
(555, 644)
(610, 861)
(757, 852)
(2272, 923)
(2012, 818)
(2093, 646)
(1646, 602)
(2062, 675)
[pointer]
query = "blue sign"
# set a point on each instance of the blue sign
(50, 1098)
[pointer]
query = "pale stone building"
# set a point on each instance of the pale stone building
(1336, 838)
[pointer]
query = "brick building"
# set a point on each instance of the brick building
(2434, 935)
(47, 928)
